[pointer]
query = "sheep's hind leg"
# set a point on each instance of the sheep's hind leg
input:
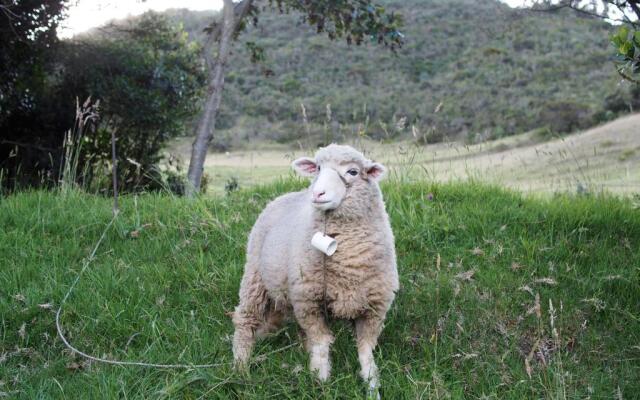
(368, 329)
(318, 337)
(249, 316)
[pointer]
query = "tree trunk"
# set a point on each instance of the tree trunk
(206, 124)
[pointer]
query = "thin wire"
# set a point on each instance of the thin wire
(75, 350)
(325, 310)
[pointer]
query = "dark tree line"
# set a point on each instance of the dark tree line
(144, 74)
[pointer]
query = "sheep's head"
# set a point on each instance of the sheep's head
(338, 172)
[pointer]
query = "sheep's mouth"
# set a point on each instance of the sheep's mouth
(321, 202)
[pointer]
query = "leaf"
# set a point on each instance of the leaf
(466, 276)
(625, 48)
(546, 281)
(623, 33)
(527, 289)
(74, 366)
(22, 332)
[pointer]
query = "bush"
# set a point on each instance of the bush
(565, 116)
(148, 79)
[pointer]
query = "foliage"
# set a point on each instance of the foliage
(565, 116)
(355, 21)
(148, 79)
(627, 44)
(479, 267)
(625, 12)
(231, 185)
(352, 19)
(467, 69)
(27, 44)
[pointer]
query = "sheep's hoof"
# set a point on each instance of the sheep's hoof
(373, 394)
(372, 387)
(322, 372)
(321, 369)
(319, 362)
(241, 365)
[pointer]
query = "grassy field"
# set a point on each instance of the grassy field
(605, 158)
(502, 296)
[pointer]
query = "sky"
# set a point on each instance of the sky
(88, 14)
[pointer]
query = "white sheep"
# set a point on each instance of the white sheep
(284, 272)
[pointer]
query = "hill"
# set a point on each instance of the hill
(601, 158)
(489, 294)
(469, 70)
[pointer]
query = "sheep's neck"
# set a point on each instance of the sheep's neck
(333, 221)
(362, 207)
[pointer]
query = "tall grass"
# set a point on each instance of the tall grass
(87, 115)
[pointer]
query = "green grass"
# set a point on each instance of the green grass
(169, 269)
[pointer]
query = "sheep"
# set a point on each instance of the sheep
(284, 273)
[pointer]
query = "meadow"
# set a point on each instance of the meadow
(503, 295)
(603, 158)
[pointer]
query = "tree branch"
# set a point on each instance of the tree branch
(240, 11)
(634, 6)
(573, 6)
(627, 77)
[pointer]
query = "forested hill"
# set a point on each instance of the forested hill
(469, 69)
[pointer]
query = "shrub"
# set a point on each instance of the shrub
(565, 116)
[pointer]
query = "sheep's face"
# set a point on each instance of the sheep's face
(334, 176)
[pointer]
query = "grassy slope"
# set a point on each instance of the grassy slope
(161, 293)
(605, 157)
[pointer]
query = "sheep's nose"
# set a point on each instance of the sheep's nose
(317, 195)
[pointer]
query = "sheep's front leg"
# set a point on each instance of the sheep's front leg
(318, 337)
(368, 329)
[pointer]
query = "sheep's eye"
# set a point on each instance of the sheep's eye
(352, 172)
(318, 168)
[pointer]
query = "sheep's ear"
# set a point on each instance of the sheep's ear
(376, 171)
(305, 166)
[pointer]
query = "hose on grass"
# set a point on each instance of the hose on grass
(81, 353)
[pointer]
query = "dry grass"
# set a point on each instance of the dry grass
(602, 158)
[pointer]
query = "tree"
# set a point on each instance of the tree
(148, 78)
(27, 43)
(353, 20)
(626, 40)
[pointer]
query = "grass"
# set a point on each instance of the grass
(246, 176)
(495, 286)
(603, 158)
